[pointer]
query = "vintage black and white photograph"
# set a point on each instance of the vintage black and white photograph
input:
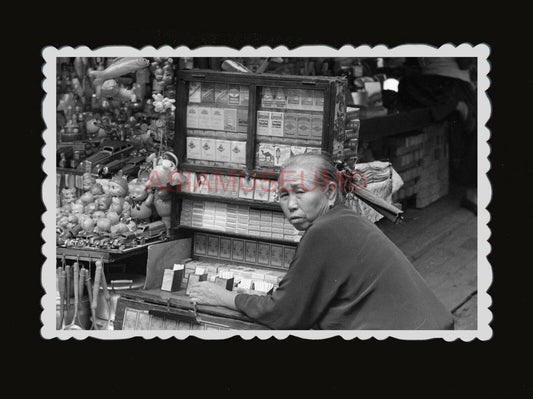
(266, 192)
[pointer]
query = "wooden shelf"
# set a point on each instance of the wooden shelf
(274, 206)
(244, 236)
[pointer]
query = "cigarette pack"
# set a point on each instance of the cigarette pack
(267, 98)
(276, 255)
(238, 152)
(244, 93)
(319, 100)
(262, 189)
(316, 126)
(280, 100)
(237, 251)
(234, 95)
(222, 151)
(250, 251)
(297, 150)
(307, 99)
(283, 153)
(276, 124)
(204, 118)
(227, 283)
(266, 155)
(263, 123)
(246, 188)
(208, 93)
(293, 99)
(290, 125)
(208, 149)
(217, 120)
(242, 120)
(172, 280)
(230, 120)
(304, 126)
(288, 255)
(200, 244)
(193, 279)
(192, 116)
(194, 148)
(195, 92)
(221, 93)
(212, 245)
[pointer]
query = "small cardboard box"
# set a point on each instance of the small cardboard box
(172, 279)
(194, 278)
(227, 283)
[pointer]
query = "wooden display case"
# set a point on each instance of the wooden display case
(233, 132)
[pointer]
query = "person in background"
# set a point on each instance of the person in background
(448, 86)
(345, 275)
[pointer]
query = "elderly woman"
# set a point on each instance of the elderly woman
(346, 274)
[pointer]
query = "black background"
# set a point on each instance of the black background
(272, 367)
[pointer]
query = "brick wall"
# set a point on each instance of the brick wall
(421, 159)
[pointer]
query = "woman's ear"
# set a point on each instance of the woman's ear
(331, 193)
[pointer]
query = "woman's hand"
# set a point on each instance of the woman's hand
(207, 293)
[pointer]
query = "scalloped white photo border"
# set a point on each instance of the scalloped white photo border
(484, 271)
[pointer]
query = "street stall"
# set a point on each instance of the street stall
(167, 172)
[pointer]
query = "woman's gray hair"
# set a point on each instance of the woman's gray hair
(322, 163)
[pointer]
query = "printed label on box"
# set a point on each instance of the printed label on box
(290, 125)
(280, 100)
(288, 255)
(319, 100)
(267, 98)
(307, 99)
(238, 152)
(195, 92)
(200, 244)
(208, 93)
(266, 155)
(297, 150)
(242, 120)
(237, 252)
(283, 153)
(217, 118)
(222, 150)
(263, 253)
(230, 119)
(212, 245)
(234, 95)
(276, 124)
(194, 150)
(316, 126)
(221, 93)
(304, 125)
(246, 187)
(208, 149)
(250, 252)
(244, 93)
(204, 118)
(192, 116)
(225, 248)
(263, 123)
(276, 255)
(262, 190)
(293, 99)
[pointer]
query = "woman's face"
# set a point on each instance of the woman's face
(302, 198)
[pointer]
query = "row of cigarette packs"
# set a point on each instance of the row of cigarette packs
(230, 119)
(295, 125)
(218, 93)
(258, 253)
(237, 219)
(209, 149)
(279, 97)
(275, 155)
(247, 278)
(230, 186)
